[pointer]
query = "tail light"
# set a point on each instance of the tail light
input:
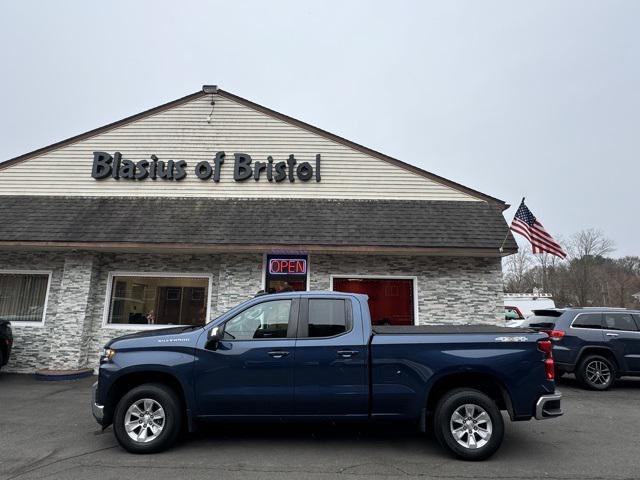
(556, 335)
(546, 347)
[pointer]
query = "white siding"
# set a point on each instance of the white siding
(182, 133)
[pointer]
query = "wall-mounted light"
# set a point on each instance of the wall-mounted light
(212, 89)
(210, 116)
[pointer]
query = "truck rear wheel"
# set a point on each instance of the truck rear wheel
(469, 424)
(148, 419)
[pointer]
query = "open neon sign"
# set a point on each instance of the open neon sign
(287, 266)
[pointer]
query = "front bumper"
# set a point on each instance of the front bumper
(96, 410)
(548, 406)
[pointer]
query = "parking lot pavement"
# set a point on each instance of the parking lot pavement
(46, 430)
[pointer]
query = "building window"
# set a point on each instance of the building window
(391, 300)
(23, 296)
(158, 300)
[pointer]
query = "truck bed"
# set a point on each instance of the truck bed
(445, 329)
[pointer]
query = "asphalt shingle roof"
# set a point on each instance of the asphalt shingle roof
(211, 221)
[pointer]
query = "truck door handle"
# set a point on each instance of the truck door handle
(347, 353)
(278, 354)
(611, 334)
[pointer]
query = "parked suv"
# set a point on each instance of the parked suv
(597, 344)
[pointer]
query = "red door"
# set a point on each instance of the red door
(390, 300)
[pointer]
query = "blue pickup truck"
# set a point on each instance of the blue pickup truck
(304, 356)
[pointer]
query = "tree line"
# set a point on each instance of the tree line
(589, 276)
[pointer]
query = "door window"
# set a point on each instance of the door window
(619, 321)
(262, 321)
(327, 318)
(588, 320)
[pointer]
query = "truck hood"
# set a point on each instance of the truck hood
(162, 332)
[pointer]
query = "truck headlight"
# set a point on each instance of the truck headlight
(108, 354)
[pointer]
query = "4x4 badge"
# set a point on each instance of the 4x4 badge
(511, 339)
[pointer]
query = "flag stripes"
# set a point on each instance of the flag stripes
(526, 224)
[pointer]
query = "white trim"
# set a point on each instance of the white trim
(386, 277)
(49, 274)
(127, 326)
(264, 272)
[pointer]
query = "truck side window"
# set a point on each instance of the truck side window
(619, 321)
(588, 320)
(327, 318)
(263, 321)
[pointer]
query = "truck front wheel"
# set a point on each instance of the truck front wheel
(469, 424)
(147, 419)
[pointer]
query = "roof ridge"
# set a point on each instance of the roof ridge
(361, 148)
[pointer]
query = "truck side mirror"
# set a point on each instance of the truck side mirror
(213, 337)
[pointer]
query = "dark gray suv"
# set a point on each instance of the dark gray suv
(597, 344)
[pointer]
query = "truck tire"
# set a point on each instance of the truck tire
(596, 372)
(469, 424)
(148, 418)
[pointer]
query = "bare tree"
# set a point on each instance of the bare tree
(590, 243)
(588, 277)
(587, 249)
(623, 280)
(518, 270)
(548, 264)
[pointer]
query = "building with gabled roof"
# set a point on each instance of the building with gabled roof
(173, 215)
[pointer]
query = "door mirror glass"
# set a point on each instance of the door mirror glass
(213, 337)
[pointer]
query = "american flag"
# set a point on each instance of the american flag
(526, 224)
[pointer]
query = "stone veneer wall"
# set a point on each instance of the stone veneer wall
(450, 290)
(235, 278)
(31, 344)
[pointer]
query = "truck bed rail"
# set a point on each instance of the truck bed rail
(445, 329)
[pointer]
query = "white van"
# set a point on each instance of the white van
(519, 306)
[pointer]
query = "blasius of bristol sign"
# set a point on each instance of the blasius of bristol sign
(115, 166)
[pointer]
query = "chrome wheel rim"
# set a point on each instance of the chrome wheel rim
(144, 420)
(471, 426)
(598, 373)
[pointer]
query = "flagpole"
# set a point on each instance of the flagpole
(501, 249)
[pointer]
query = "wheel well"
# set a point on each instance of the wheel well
(486, 383)
(134, 379)
(603, 352)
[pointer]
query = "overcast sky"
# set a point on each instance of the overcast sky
(538, 99)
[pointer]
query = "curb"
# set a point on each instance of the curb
(59, 375)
